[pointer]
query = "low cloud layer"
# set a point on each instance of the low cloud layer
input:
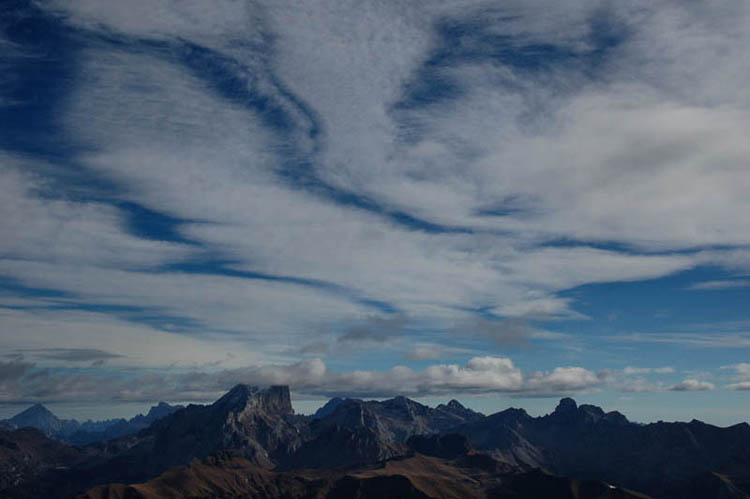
(24, 381)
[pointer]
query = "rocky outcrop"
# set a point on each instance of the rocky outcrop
(260, 423)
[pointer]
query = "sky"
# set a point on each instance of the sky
(500, 202)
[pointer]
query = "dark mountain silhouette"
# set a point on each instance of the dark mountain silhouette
(73, 432)
(586, 442)
(249, 443)
(259, 425)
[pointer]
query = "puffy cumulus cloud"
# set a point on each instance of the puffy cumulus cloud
(25, 381)
(561, 380)
(692, 385)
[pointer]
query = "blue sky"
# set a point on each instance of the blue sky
(502, 202)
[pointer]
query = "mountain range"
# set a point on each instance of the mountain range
(250, 443)
(73, 432)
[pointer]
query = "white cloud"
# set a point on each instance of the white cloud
(691, 384)
(741, 377)
(647, 370)
(640, 385)
(69, 232)
(716, 339)
(165, 18)
(20, 380)
(720, 284)
(742, 369)
(649, 153)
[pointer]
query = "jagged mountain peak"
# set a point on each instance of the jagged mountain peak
(566, 406)
(274, 399)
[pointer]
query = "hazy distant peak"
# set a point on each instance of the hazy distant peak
(37, 408)
(455, 404)
(34, 415)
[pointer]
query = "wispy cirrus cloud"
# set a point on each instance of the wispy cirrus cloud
(690, 339)
(275, 179)
(720, 284)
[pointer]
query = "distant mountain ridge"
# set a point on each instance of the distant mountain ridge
(77, 433)
(340, 447)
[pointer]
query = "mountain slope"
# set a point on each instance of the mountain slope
(417, 477)
(586, 442)
(28, 459)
